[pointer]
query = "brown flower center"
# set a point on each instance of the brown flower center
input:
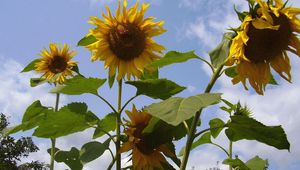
(127, 41)
(58, 64)
(265, 44)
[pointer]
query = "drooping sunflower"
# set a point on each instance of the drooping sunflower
(124, 42)
(56, 63)
(145, 155)
(266, 34)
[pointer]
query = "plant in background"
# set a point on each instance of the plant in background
(124, 42)
(12, 151)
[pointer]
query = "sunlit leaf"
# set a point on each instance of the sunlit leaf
(244, 127)
(87, 40)
(221, 52)
(156, 88)
(175, 110)
(173, 57)
(150, 74)
(216, 125)
(105, 125)
(257, 163)
(79, 85)
(236, 163)
(30, 66)
(69, 119)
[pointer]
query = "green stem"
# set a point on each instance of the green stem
(230, 153)
(193, 128)
(127, 103)
(219, 146)
(53, 140)
(105, 101)
(118, 142)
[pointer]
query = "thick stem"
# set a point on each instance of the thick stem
(53, 140)
(193, 128)
(118, 142)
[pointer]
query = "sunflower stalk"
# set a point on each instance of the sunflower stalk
(53, 140)
(118, 142)
(192, 131)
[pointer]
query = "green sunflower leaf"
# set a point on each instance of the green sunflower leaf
(31, 118)
(69, 119)
(243, 127)
(175, 110)
(221, 52)
(105, 125)
(30, 66)
(257, 163)
(231, 72)
(150, 74)
(156, 88)
(92, 150)
(216, 125)
(37, 81)
(70, 158)
(79, 85)
(204, 139)
(236, 163)
(173, 57)
(87, 40)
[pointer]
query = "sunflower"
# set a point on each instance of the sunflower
(124, 42)
(56, 63)
(145, 155)
(264, 37)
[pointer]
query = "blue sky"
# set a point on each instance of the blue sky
(29, 26)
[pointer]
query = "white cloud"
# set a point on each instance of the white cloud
(16, 93)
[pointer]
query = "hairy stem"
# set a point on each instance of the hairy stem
(118, 142)
(53, 140)
(193, 128)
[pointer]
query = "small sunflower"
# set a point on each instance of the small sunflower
(262, 42)
(56, 63)
(124, 42)
(145, 155)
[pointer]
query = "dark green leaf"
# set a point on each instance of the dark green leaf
(70, 158)
(173, 57)
(221, 52)
(87, 40)
(272, 80)
(37, 81)
(76, 70)
(30, 66)
(173, 157)
(105, 125)
(216, 126)
(156, 88)
(175, 110)
(244, 127)
(257, 163)
(79, 85)
(91, 151)
(204, 139)
(236, 163)
(69, 119)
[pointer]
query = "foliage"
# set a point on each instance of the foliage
(12, 151)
